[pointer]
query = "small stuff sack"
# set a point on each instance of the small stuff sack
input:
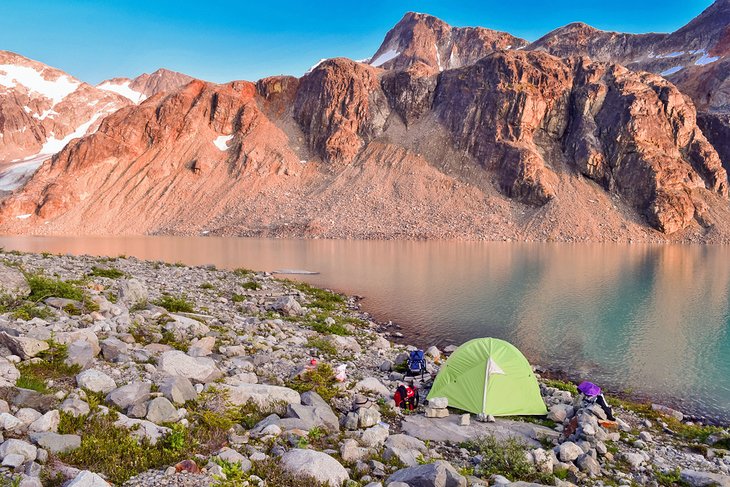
(417, 362)
(341, 373)
(406, 397)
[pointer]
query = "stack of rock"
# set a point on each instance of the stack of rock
(437, 407)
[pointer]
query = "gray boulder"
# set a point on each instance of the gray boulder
(23, 347)
(95, 381)
(86, 478)
(47, 422)
(704, 479)
(287, 306)
(80, 353)
(56, 443)
(160, 410)
(374, 437)
(114, 350)
(569, 451)
(268, 398)
(18, 447)
(314, 412)
(13, 282)
(589, 465)
(367, 417)
(314, 464)
(371, 384)
(131, 292)
(351, 452)
(437, 474)
(405, 448)
(129, 395)
(9, 374)
(197, 369)
(560, 412)
(75, 407)
(183, 327)
(177, 389)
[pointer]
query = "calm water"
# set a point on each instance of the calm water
(650, 319)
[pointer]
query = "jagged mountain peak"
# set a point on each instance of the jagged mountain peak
(423, 38)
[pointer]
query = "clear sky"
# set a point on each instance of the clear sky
(225, 40)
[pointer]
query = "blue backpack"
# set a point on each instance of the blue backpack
(417, 363)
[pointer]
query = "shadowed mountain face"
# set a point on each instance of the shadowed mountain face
(445, 133)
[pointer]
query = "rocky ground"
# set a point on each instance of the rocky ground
(120, 371)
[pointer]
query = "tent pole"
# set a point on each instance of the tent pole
(486, 384)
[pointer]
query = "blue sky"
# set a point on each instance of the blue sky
(225, 40)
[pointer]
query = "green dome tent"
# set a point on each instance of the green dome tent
(489, 376)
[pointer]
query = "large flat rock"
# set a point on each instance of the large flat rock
(448, 429)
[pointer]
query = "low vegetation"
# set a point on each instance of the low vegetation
(175, 304)
(505, 458)
(320, 298)
(114, 452)
(562, 385)
(108, 272)
(42, 287)
(49, 365)
(324, 346)
(320, 380)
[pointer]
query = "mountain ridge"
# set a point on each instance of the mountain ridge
(418, 142)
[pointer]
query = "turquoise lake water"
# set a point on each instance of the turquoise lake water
(651, 320)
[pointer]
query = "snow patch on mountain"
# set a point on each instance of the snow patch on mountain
(222, 142)
(438, 57)
(16, 175)
(12, 76)
(673, 70)
(385, 57)
(706, 59)
(316, 65)
(123, 89)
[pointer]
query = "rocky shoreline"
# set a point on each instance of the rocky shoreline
(127, 372)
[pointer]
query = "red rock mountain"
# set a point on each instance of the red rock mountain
(421, 38)
(696, 58)
(43, 108)
(500, 143)
(146, 85)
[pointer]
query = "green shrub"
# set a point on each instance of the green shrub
(109, 272)
(324, 346)
(321, 298)
(206, 285)
(272, 472)
(669, 479)
(562, 385)
(249, 415)
(168, 338)
(32, 382)
(505, 458)
(28, 311)
(175, 304)
(114, 452)
(212, 416)
(233, 474)
(238, 298)
(243, 272)
(50, 364)
(251, 285)
(42, 287)
(320, 380)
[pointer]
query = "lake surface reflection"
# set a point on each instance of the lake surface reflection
(651, 319)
